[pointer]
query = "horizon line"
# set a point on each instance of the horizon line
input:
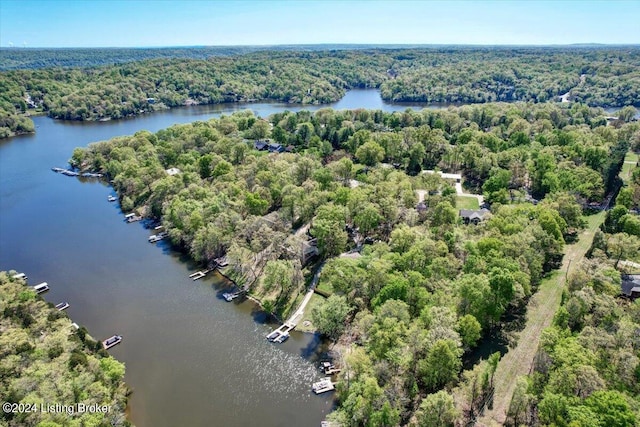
(578, 44)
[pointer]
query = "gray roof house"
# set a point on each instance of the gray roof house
(630, 286)
(474, 216)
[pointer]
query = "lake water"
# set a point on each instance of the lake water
(192, 358)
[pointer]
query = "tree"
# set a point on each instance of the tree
(332, 239)
(343, 169)
(279, 273)
(370, 153)
(470, 330)
(279, 135)
(496, 185)
(627, 113)
(520, 405)
(329, 317)
(256, 205)
(622, 246)
(625, 197)
(444, 214)
(502, 283)
(367, 219)
(417, 153)
(612, 220)
(437, 410)
(442, 364)
(259, 129)
(611, 408)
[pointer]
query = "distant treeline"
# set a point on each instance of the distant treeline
(28, 58)
(608, 77)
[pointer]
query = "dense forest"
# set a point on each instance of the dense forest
(597, 77)
(411, 304)
(17, 58)
(44, 360)
(587, 370)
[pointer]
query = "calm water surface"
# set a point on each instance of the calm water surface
(192, 359)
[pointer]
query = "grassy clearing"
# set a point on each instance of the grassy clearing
(465, 202)
(540, 311)
(325, 286)
(302, 326)
(630, 162)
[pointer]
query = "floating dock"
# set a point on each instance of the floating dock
(154, 238)
(110, 342)
(62, 306)
(42, 287)
(131, 217)
(323, 386)
(199, 274)
(278, 335)
(329, 368)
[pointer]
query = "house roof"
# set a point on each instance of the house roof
(474, 214)
(172, 171)
(630, 283)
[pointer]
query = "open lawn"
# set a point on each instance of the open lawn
(465, 202)
(326, 287)
(630, 162)
(303, 326)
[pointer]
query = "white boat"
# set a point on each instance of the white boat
(62, 306)
(42, 287)
(111, 198)
(329, 368)
(273, 336)
(157, 237)
(323, 386)
(20, 276)
(231, 296)
(282, 338)
(132, 217)
(110, 342)
(75, 326)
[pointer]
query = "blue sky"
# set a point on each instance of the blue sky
(141, 23)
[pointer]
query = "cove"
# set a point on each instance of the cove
(192, 358)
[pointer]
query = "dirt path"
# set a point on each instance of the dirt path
(540, 311)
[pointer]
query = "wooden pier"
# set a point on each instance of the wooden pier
(277, 334)
(292, 322)
(199, 274)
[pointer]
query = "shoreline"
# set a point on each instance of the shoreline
(411, 103)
